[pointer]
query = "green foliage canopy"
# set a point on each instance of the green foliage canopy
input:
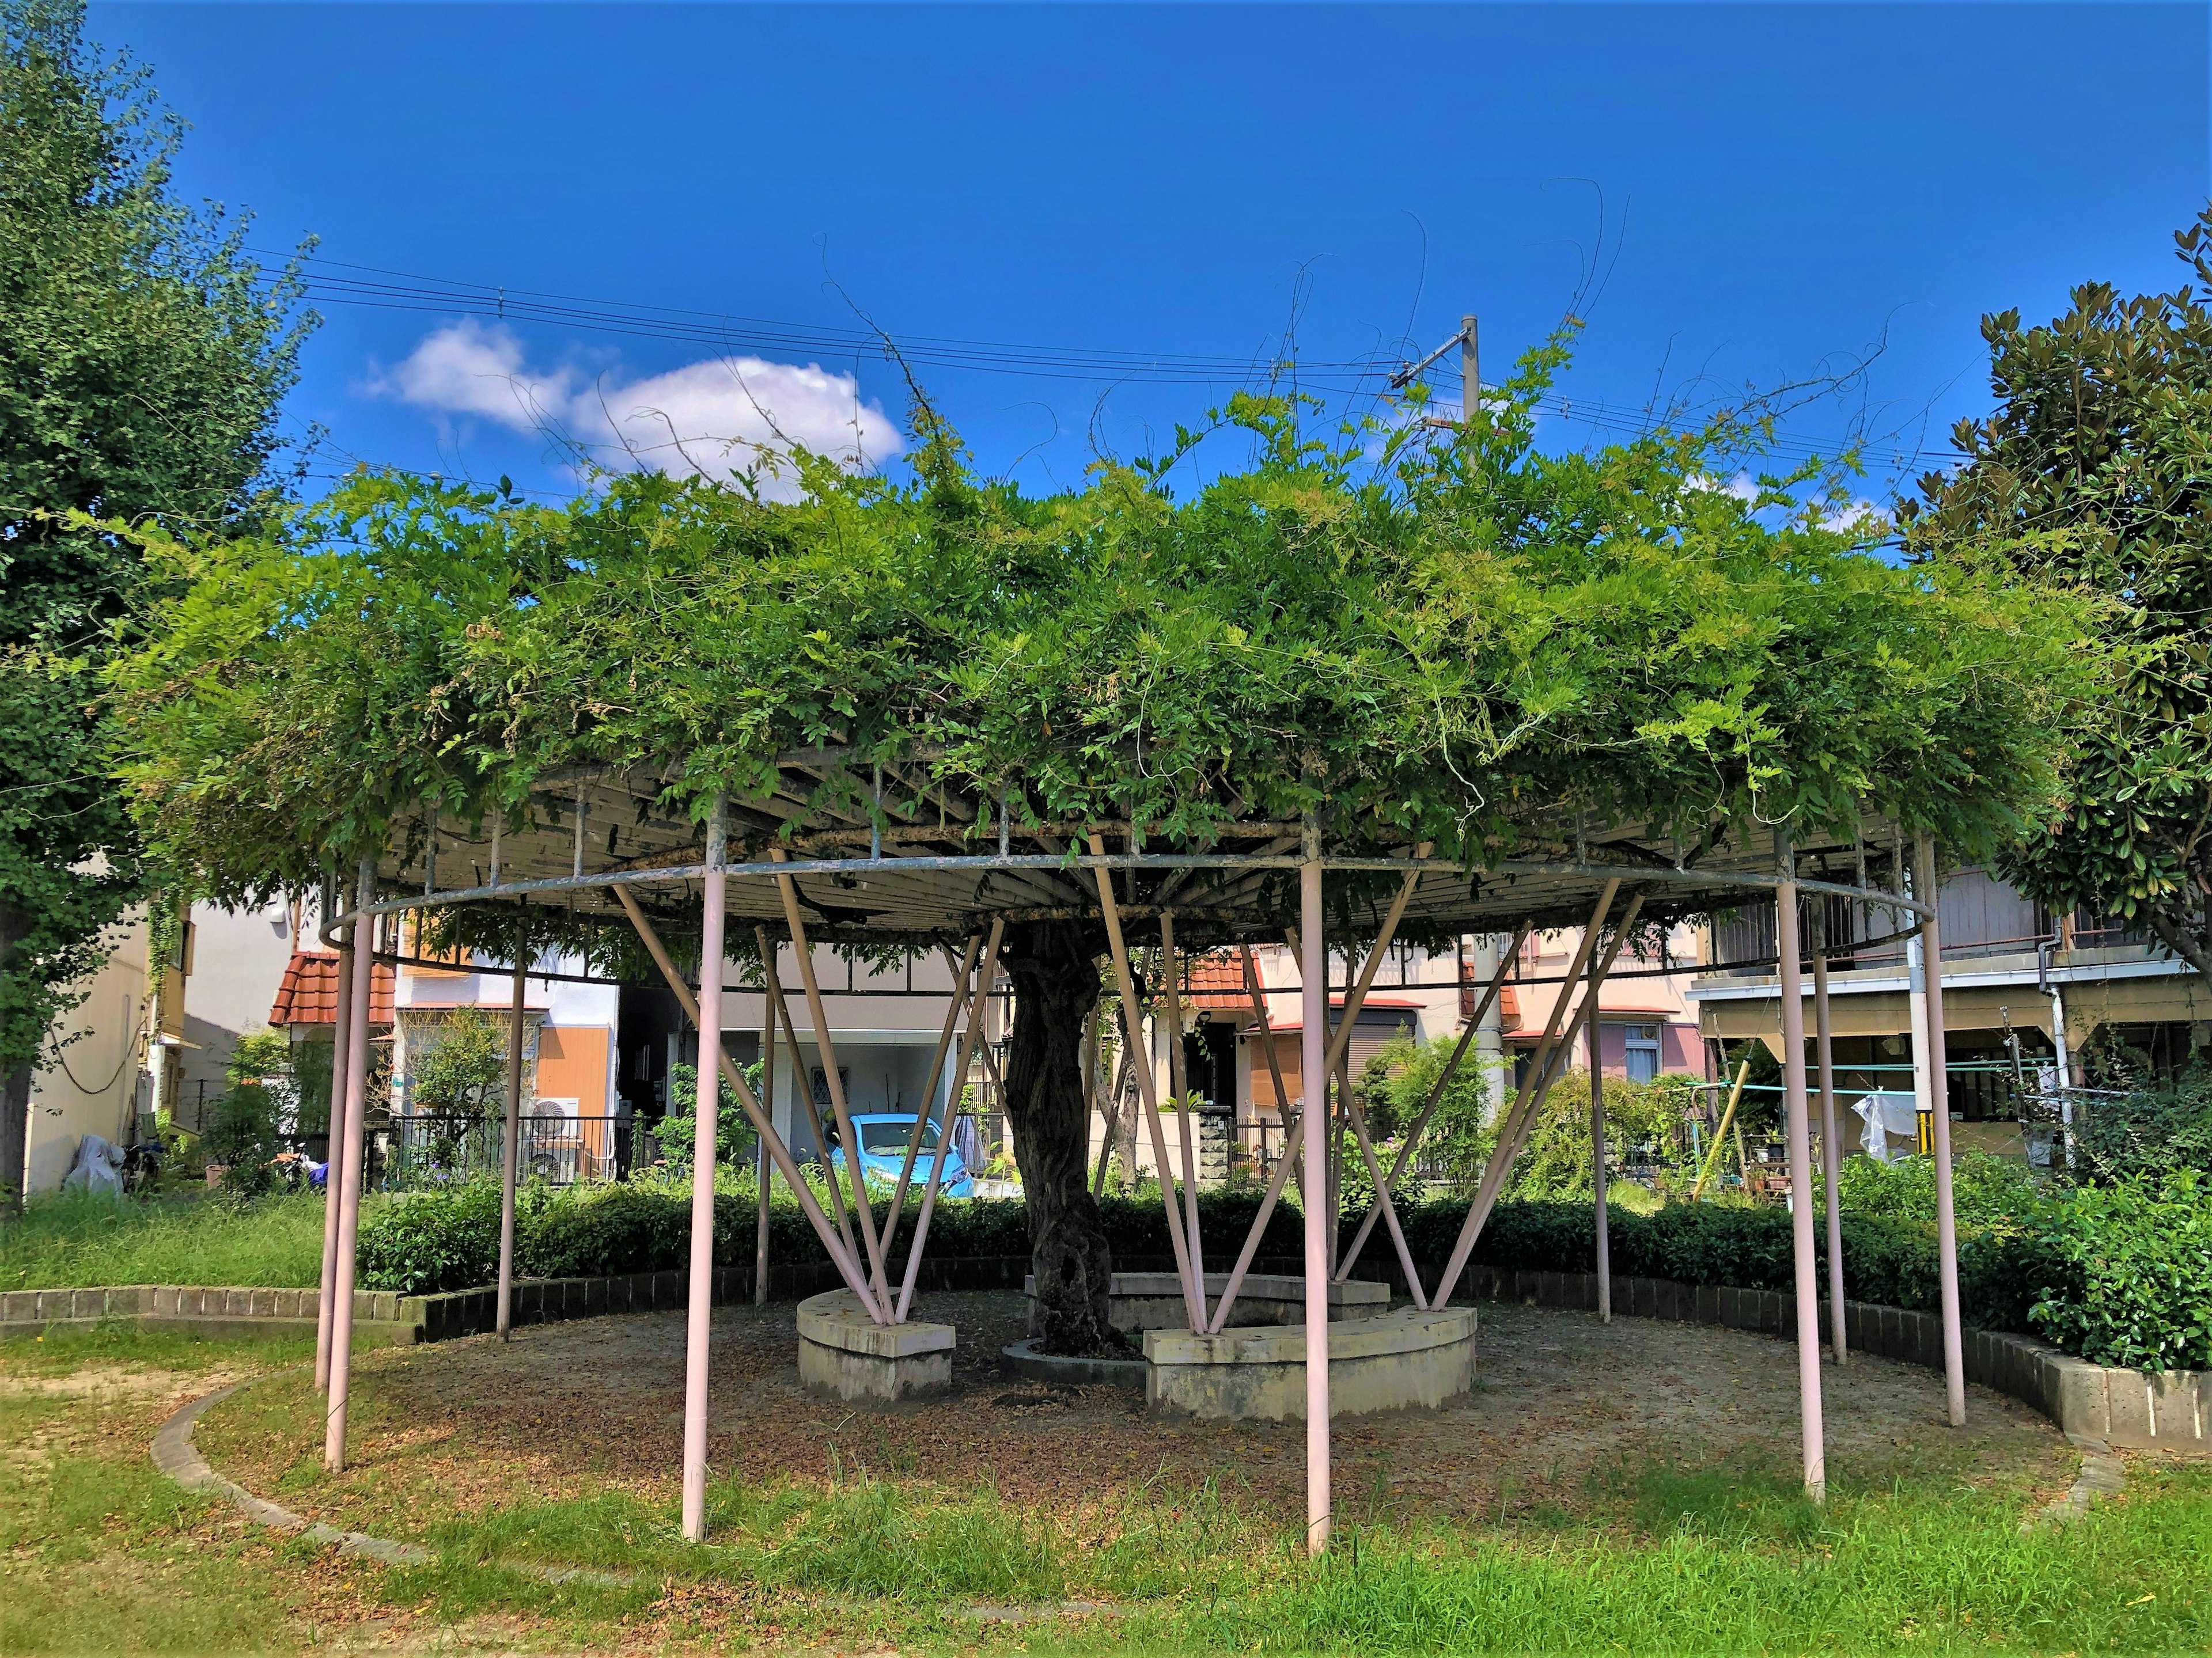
(1463, 640)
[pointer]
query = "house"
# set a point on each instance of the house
(141, 1046)
(1647, 1025)
(2039, 1009)
(1422, 994)
(599, 1058)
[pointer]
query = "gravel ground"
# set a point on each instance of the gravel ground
(1562, 1404)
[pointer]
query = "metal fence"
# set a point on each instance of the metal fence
(559, 1150)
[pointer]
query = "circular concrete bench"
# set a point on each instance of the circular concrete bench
(1408, 1357)
(1153, 1301)
(843, 1351)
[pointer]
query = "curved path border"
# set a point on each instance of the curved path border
(175, 1455)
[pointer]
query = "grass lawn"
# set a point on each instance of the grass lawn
(71, 1241)
(1655, 1552)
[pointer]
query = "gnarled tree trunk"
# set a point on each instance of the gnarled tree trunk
(1054, 967)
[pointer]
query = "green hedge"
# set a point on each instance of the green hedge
(2053, 1272)
(448, 1239)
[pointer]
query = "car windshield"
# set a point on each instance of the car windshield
(879, 1139)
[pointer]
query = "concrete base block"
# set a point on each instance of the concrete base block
(842, 1353)
(1399, 1359)
(1023, 1360)
(1153, 1301)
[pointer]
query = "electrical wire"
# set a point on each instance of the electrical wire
(332, 281)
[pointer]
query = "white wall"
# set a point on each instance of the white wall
(95, 1075)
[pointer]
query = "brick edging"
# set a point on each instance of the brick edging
(2121, 1407)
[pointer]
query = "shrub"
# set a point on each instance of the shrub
(2137, 1264)
(2150, 1130)
(428, 1242)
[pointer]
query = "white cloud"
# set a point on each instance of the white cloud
(718, 418)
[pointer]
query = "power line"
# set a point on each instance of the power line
(329, 281)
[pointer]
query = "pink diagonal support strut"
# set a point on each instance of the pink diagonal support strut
(1193, 1293)
(961, 970)
(1171, 992)
(840, 1257)
(1383, 1200)
(772, 978)
(864, 1214)
(699, 1303)
(976, 1003)
(1284, 1164)
(1543, 1071)
(1584, 1011)
(1428, 1107)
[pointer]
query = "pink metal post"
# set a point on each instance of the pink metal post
(1313, 1044)
(1927, 890)
(333, 1159)
(510, 1154)
(356, 1114)
(1808, 1279)
(1353, 1001)
(699, 1307)
(1597, 1167)
(1831, 1148)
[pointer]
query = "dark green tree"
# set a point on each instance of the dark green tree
(143, 359)
(2095, 471)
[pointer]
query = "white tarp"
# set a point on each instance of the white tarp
(98, 1167)
(1884, 1114)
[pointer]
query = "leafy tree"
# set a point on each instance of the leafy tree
(460, 1080)
(679, 1133)
(143, 358)
(1467, 641)
(2093, 473)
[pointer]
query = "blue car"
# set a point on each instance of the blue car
(884, 1137)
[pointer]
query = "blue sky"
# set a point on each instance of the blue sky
(1781, 190)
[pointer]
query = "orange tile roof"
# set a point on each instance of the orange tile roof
(1216, 980)
(309, 994)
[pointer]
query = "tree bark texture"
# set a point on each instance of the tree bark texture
(1054, 967)
(15, 1135)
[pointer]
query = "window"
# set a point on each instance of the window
(888, 1139)
(1643, 1052)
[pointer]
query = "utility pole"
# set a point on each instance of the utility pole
(1470, 366)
